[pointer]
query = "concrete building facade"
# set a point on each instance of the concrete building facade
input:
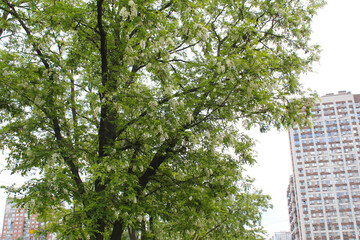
(281, 236)
(324, 191)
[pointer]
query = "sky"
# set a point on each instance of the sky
(337, 29)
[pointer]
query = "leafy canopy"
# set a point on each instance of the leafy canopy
(128, 111)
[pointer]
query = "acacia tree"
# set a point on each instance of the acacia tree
(128, 110)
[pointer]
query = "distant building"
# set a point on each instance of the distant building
(324, 191)
(281, 236)
(295, 227)
(17, 224)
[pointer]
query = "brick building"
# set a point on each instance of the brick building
(18, 225)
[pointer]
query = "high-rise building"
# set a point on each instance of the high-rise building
(19, 225)
(281, 236)
(324, 191)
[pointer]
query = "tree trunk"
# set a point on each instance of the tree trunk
(143, 230)
(118, 229)
(132, 233)
(151, 223)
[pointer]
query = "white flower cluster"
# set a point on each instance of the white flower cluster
(230, 63)
(142, 44)
(153, 104)
(209, 172)
(168, 89)
(118, 107)
(39, 101)
(133, 11)
(201, 32)
(189, 117)
(124, 13)
(163, 135)
(220, 68)
(174, 103)
(54, 157)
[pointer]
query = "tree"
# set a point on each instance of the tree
(128, 111)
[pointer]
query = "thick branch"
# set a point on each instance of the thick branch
(162, 154)
(28, 32)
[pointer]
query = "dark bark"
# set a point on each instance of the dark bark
(161, 155)
(143, 230)
(152, 230)
(106, 127)
(132, 233)
(118, 229)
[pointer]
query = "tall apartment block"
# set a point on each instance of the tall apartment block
(324, 191)
(18, 225)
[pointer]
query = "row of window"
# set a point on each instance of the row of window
(330, 176)
(328, 196)
(336, 160)
(329, 138)
(336, 168)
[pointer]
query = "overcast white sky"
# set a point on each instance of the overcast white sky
(337, 29)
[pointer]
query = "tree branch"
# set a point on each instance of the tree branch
(52, 116)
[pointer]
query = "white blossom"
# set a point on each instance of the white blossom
(170, 42)
(221, 68)
(229, 63)
(97, 110)
(221, 180)
(148, 67)
(132, 4)
(124, 13)
(207, 134)
(29, 153)
(160, 130)
(54, 156)
(142, 44)
(46, 72)
(129, 50)
(118, 108)
(205, 35)
(168, 89)
(218, 138)
(133, 11)
(189, 117)
(208, 172)
(164, 136)
(161, 41)
(130, 61)
(173, 103)
(38, 101)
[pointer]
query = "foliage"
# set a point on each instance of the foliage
(128, 111)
